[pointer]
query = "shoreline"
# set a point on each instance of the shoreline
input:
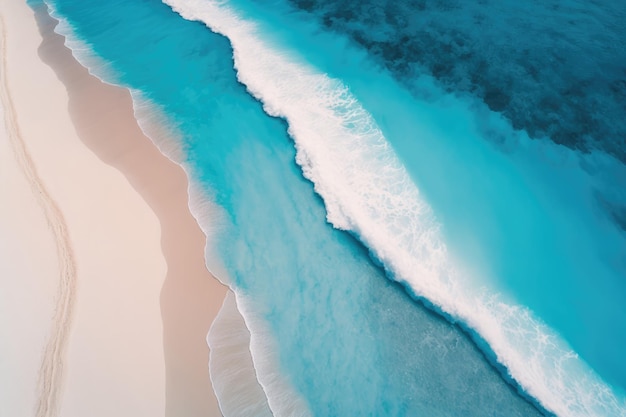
(139, 251)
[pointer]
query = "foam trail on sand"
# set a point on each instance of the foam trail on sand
(231, 367)
(240, 335)
(367, 191)
(53, 361)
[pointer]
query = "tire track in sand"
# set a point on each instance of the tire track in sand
(50, 384)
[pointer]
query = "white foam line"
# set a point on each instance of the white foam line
(366, 190)
(231, 365)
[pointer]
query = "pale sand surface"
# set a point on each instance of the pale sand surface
(134, 242)
(28, 282)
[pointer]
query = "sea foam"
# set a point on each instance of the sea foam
(231, 366)
(368, 192)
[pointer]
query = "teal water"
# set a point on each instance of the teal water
(522, 209)
(486, 231)
(522, 219)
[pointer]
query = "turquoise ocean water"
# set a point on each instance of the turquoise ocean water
(403, 238)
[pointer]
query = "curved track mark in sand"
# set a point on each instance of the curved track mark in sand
(53, 361)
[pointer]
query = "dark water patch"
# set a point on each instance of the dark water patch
(616, 210)
(619, 215)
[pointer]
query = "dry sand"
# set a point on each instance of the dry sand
(142, 300)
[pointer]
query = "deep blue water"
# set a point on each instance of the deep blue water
(554, 68)
(503, 235)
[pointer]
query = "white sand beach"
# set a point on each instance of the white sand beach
(99, 254)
